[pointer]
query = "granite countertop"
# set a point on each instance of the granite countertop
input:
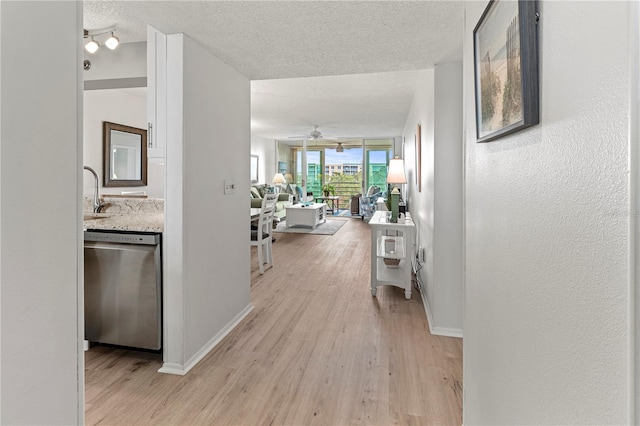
(125, 214)
(141, 222)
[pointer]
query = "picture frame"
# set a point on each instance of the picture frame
(505, 49)
(254, 168)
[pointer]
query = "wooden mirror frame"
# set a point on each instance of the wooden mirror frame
(107, 127)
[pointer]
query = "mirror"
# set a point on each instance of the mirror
(125, 155)
(254, 168)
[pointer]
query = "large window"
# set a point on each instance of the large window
(314, 170)
(377, 159)
(343, 171)
(352, 170)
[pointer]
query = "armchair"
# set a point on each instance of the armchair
(368, 201)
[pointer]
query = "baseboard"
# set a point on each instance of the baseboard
(181, 370)
(427, 310)
(172, 368)
(437, 331)
(447, 332)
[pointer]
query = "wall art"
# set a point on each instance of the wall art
(506, 68)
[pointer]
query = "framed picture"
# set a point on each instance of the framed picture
(505, 47)
(254, 168)
(282, 167)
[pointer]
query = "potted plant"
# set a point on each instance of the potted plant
(328, 189)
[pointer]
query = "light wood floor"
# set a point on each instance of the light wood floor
(317, 349)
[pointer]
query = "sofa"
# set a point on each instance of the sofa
(284, 200)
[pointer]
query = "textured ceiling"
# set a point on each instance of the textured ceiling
(349, 106)
(279, 41)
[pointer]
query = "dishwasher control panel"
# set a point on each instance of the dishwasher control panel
(121, 237)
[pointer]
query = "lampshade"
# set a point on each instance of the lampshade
(396, 171)
(289, 177)
(279, 178)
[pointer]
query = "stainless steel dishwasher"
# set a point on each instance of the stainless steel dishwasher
(123, 288)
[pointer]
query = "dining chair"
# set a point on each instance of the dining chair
(261, 237)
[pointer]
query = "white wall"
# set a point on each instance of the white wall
(207, 274)
(547, 329)
(634, 18)
(265, 149)
(437, 208)
(421, 203)
(448, 262)
(40, 252)
(122, 106)
(128, 61)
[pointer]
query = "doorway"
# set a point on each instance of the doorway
(349, 167)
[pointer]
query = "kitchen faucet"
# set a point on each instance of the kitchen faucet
(97, 205)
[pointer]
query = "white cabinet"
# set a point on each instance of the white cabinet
(156, 94)
(392, 251)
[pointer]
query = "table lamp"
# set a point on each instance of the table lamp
(395, 176)
(289, 178)
(278, 179)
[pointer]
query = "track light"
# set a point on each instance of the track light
(93, 45)
(112, 42)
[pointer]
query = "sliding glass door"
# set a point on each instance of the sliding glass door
(313, 175)
(349, 166)
(378, 152)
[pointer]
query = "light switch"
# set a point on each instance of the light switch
(229, 186)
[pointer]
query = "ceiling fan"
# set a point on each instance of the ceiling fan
(342, 145)
(315, 134)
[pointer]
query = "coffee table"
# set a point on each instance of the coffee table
(311, 215)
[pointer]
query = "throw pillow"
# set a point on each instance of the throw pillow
(255, 193)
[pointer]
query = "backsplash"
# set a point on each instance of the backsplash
(118, 205)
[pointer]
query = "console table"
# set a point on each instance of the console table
(311, 215)
(393, 242)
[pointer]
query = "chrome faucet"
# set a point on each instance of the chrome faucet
(97, 205)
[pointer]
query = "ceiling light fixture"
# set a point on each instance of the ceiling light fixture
(112, 42)
(93, 45)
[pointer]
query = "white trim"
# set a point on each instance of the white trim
(80, 373)
(437, 331)
(174, 368)
(427, 310)
(447, 332)
(115, 83)
(634, 226)
(170, 126)
(465, 83)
